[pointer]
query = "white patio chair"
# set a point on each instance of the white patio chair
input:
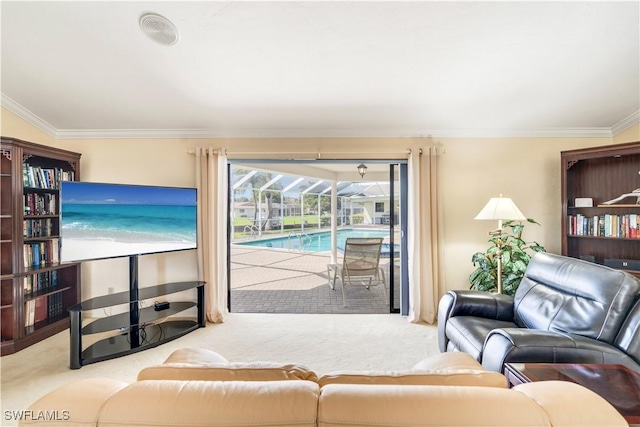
(361, 265)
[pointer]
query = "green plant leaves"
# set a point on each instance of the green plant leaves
(516, 253)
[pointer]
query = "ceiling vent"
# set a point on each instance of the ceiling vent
(159, 29)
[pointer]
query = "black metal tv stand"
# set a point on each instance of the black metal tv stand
(139, 328)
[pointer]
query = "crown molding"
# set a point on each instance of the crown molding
(136, 134)
(577, 132)
(586, 132)
(593, 132)
(626, 123)
(28, 116)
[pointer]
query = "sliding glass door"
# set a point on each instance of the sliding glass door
(283, 218)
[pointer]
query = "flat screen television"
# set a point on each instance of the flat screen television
(100, 220)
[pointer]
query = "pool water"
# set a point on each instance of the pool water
(320, 241)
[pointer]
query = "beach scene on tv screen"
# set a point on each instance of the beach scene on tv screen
(111, 220)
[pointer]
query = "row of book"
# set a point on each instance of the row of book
(607, 225)
(39, 204)
(41, 253)
(37, 227)
(41, 282)
(43, 308)
(47, 178)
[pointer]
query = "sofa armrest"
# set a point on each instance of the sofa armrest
(569, 404)
(538, 346)
(471, 303)
(74, 404)
(195, 356)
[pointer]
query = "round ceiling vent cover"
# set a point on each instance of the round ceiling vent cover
(159, 29)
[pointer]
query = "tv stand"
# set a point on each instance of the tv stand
(139, 328)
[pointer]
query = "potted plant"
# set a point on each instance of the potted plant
(516, 254)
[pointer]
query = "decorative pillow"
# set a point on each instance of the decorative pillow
(250, 371)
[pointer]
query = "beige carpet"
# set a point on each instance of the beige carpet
(322, 342)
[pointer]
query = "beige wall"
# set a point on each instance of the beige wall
(525, 169)
(16, 127)
(472, 171)
(630, 135)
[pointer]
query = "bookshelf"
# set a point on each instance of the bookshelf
(602, 233)
(36, 291)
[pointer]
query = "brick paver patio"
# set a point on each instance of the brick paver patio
(267, 280)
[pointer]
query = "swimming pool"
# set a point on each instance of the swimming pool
(320, 241)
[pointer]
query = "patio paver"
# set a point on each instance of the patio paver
(279, 281)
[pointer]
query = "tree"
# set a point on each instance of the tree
(254, 183)
(311, 202)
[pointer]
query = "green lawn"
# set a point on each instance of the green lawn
(288, 220)
(311, 221)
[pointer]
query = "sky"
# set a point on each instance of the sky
(101, 193)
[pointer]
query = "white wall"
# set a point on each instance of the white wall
(472, 171)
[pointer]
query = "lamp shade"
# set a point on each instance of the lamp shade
(500, 208)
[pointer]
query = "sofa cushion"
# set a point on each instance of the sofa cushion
(454, 368)
(628, 338)
(466, 377)
(214, 404)
(191, 364)
(533, 345)
(467, 333)
(351, 405)
(573, 296)
(534, 404)
(230, 371)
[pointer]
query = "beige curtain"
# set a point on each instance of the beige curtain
(424, 232)
(211, 179)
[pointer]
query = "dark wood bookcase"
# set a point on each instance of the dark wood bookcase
(602, 174)
(36, 290)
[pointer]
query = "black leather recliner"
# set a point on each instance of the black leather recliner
(565, 311)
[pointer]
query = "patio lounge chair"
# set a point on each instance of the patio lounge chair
(361, 265)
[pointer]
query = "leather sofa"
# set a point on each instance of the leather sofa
(565, 311)
(194, 388)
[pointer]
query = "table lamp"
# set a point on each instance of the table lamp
(500, 208)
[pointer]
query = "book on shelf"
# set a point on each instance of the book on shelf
(39, 254)
(39, 204)
(30, 313)
(37, 227)
(56, 305)
(45, 178)
(41, 310)
(41, 282)
(608, 225)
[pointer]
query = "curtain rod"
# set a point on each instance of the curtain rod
(318, 154)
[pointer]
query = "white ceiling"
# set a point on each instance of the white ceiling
(318, 68)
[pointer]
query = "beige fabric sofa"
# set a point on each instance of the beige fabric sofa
(200, 388)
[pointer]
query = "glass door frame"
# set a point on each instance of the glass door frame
(403, 259)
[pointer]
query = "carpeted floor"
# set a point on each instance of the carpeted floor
(322, 342)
